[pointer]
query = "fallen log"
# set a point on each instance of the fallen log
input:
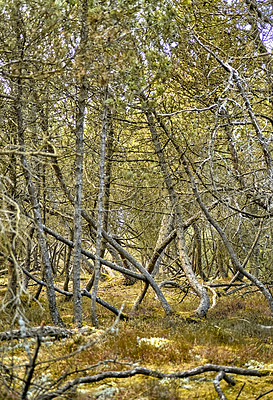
(40, 331)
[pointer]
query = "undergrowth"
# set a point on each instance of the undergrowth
(232, 334)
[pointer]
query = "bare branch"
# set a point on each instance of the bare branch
(188, 110)
(40, 331)
(152, 373)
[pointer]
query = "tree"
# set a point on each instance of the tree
(79, 168)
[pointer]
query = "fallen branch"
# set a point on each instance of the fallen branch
(216, 382)
(220, 369)
(40, 331)
(106, 305)
(175, 284)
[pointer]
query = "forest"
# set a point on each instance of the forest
(136, 189)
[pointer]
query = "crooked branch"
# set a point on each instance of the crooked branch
(220, 369)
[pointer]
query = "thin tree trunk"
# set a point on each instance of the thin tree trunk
(186, 264)
(197, 252)
(107, 183)
(12, 268)
(112, 242)
(100, 213)
(77, 300)
(28, 257)
(31, 189)
(165, 236)
(227, 243)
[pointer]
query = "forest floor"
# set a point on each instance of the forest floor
(235, 333)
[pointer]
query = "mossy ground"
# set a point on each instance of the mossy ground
(230, 335)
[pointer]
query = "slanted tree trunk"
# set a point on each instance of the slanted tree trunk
(165, 236)
(186, 264)
(111, 241)
(228, 245)
(40, 233)
(56, 318)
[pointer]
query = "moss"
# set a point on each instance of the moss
(230, 335)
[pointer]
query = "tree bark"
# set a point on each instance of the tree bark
(227, 243)
(112, 242)
(100, 213)
(56, 318)
(200, 290)
(83, 92)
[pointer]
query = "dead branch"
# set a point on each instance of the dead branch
(216, 382)
(220, 369)
(31, 367)
(69, 294)
(40, 331)
(90, 255)
(264, 394)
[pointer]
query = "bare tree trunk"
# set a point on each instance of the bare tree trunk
(12, 268)
(107, 179)
(112, 242)
(197, 253)
(77, 301)
(165, 236)
(195, 284)
(31, 188)
(100, 213)
(227, 243)
(28, 257)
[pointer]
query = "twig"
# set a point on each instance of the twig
(240, 391)
(188, 110)
(263, 394)
(32, 366)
